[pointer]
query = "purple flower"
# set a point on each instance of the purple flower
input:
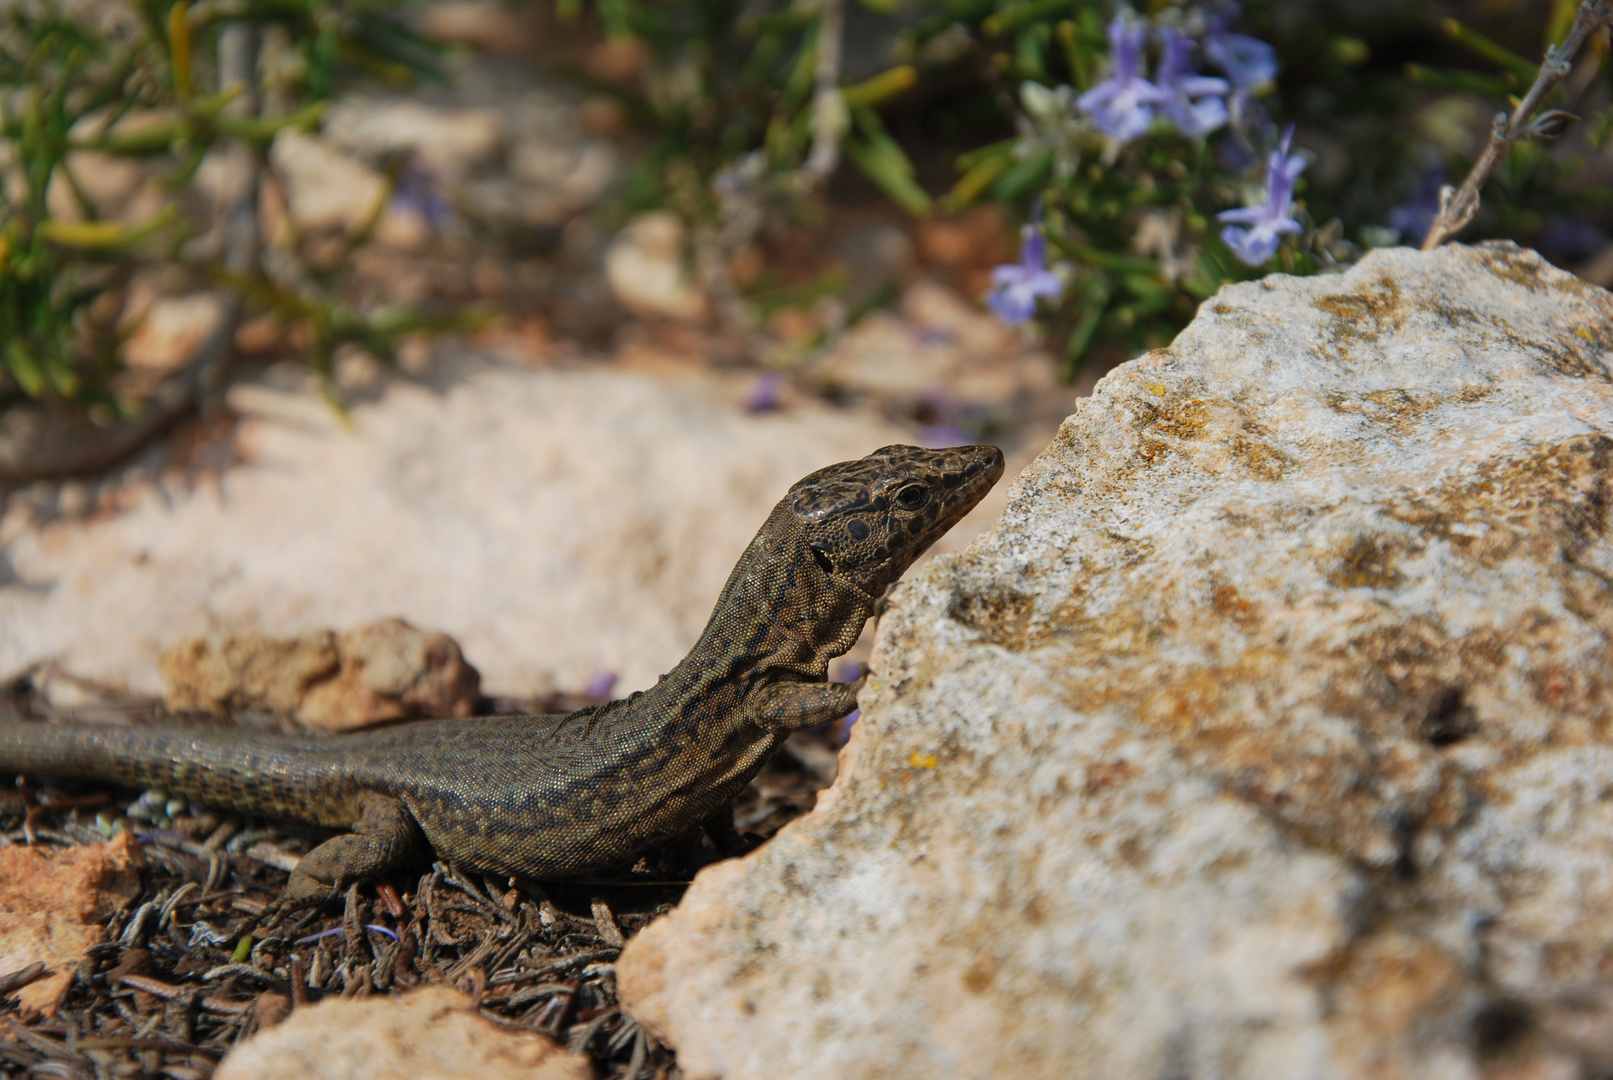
(1415, 218)
(840, 734)
(1015, 286)
(764, 396)
(941, 436)
(417, 190)
(1269, 221)
(601, 685)
(1248, 62)
(1122, 105)
(1181, 85)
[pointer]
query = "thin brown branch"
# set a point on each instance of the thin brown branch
(828, 111)
(1458, 208)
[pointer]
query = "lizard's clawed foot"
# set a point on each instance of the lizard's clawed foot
(383, 836)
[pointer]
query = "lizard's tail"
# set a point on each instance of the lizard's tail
(243, 770)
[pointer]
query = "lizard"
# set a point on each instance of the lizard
(564, 795)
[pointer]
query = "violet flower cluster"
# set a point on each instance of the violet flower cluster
(1127, 103)
(1124, 105)
(1016, 286)
(1249, 62)
(1255, 231)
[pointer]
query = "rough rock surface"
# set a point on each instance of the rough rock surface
(324, 681)
(52, 907)
(556, 523)
(429, 1034)
(1266, 735)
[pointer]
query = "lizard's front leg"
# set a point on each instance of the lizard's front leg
(790, 706)
(383, 837)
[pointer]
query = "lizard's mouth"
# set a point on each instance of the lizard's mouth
(981, 468)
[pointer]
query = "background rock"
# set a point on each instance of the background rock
(430, 1034)
(938, 356)
(172, 330)
(453, 140)
(1266, 735)
(221, 672)
(387, 670)
(556, 523)
(647, 268)
(326, 188)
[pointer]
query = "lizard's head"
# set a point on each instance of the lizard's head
(865, 521)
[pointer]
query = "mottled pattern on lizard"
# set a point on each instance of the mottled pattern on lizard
(565, 795)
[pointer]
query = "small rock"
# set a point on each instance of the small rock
(172, 331)
(574, 173)
(52, 906)
(77, 498)
(646, 269)
(108, 181)
(430, 1034)
(604, 117)
(618, 59)
(938, 342)
(325, 681)
(969, 245)
(222, 672)
(451, 140)
(326, 188)
(391, 671)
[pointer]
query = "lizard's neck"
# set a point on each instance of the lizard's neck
(778, 615)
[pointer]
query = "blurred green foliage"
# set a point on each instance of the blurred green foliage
(142, 82)
(1387, 99)
(940, 104)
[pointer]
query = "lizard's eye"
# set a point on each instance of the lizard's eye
(912, 496)
(821, 557)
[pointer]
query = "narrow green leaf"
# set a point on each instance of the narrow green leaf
(1093, 305)
(976, 180)
(1024, 176)
(885, 85)
(1465, 81)
(883, 162)
(1493, 51)
(25, 368)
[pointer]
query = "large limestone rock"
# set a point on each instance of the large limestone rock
(1268, 734)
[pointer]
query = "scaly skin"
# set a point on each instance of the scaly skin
(558, 796)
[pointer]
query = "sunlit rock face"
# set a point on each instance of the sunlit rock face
(1266, 734)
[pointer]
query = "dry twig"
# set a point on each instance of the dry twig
(1458, 207)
